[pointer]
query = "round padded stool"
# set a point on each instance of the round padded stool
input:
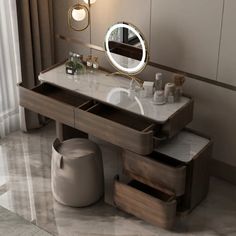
(77, 172)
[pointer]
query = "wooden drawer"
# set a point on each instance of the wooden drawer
(156, 170)
(116, 126)
(146, 203)
(179, 120)
(52, 101)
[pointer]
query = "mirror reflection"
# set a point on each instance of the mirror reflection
(123, 98)
(126, 48)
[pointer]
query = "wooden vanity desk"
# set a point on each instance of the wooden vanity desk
(165, 163)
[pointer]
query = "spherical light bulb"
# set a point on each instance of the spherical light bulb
(91, 1)
(78, 14)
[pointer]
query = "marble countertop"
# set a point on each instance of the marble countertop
(112, 90)
(184, 146)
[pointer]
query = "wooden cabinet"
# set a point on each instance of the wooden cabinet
(227, 62)
(117, 126)
(185, 35)
(174, 177)
(167, 172)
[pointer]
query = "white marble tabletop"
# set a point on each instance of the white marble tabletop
(184, 146)
(112, 90)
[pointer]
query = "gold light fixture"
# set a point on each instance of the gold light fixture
(78, 13)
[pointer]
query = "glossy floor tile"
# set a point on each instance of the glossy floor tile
(25, 189)
(14, 225)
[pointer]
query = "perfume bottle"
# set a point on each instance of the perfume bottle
(89, 64)
(95, 63)
(70, 65)
(178, 81)
(79, 66)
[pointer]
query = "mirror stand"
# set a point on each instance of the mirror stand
(131, 77)
(126, 50)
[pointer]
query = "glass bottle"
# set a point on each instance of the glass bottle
(89, 64)
(158, 84)
(178, 81)
(80, 67)
(95, 64)
(70, 65)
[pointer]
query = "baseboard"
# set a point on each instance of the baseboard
(223, 171)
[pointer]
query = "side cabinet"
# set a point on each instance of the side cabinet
(175, 176)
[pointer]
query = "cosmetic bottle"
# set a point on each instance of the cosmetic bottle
(147, 91)
(95, 64)
(170, 92)
(70, 65)
(158, 84)
(80, 67)
(178, 81)
(159, 97)
(89, 64)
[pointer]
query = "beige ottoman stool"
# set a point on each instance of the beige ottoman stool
(77, 172)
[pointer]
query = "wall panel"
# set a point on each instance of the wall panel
(227, 66)
(185, 34)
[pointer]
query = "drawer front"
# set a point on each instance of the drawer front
(115, 133)
(154, 173)
(179, 120)
(46, 106)
(144, 206)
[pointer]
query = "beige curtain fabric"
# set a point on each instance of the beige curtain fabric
(35, 22)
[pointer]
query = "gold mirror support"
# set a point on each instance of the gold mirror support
(131, 77)
(79, 6)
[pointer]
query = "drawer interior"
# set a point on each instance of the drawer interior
(151, 191)
(166, 160)
(121, 117)
(60, 94)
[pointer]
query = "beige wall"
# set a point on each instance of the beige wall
(215, 109)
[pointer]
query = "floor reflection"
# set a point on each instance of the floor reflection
(25, 189)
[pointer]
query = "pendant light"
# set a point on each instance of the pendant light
(78, 13)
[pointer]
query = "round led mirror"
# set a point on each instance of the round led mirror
(126, 48)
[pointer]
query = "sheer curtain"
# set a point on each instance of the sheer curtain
(10, 72)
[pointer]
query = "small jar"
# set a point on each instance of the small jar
(147, 89)
(95, 63)
(89, 63)
(170, 92)
(159, 97)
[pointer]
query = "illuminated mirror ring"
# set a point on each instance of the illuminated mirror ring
(141, 64)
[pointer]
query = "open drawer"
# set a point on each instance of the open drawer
(116, 126)
(51, 101)
(157, 170)
(146, 203)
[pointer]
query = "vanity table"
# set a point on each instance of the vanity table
(167, 165)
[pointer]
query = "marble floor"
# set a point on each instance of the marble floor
(25, 190)
(14, 225)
